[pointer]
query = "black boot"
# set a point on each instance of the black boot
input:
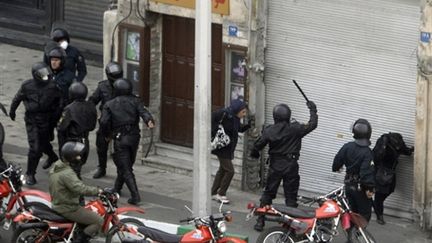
(101, 172)
(380, 219)
(133, 188)
(81, 237)
(51, 159)
(30, 180)
(259, 226)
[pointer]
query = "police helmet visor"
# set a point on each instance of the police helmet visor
(44, 73)
(114, 69)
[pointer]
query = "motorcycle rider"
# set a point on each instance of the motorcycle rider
(357, 158)
(65, 188)
(74, 60)
(284, 139)
(103, 93)
(78, 119)
(120, 121)
(43, 101)
(62, 76)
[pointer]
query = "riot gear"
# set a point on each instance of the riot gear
(71, 152)
(41, 72)
(58, 53)
(77, 91)
(60, 34)
(281, 112)
(122, 87)
(362, 131)
(113, 71)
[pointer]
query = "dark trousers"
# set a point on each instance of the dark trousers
(125, 150)
(223, 177)
(38, 136)
(379, 202)
(92, 221)
(291, 182)
(358, 201)
(102, 149)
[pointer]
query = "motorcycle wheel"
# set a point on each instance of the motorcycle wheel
(361, 235)
(116, 235)
(30, 235)
(275, 234)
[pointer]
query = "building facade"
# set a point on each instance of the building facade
(354, 59)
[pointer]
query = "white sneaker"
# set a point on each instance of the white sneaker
(223, 199)
(215, 197)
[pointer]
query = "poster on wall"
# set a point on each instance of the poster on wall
(237, 92)
(133, 76)
(238, 67)
(133, 46)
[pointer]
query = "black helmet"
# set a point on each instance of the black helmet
(41, 72)
(362, 131)
(113, 71)
(59, 53)
(72, 152)
(59, 34)
(281, 112)
(77, 91)
(122, 87)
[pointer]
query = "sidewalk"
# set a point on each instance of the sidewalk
(164, 194)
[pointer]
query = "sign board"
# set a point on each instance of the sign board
(218, 6)
(232, 30)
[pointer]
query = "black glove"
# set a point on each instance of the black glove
(412, 150)
(255, 154)
(311, 105)
(12, 115)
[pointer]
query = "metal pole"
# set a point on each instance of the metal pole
(202, 109)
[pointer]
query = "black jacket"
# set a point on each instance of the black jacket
(64, 79)
(78, 119)
(284, 138)
(232, 126)
(121, 115)
(37, 98)
(103, 93)
(359, 164)
(75, 62)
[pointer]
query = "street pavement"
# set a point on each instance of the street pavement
(164, 194)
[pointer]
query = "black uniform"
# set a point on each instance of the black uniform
(284, 139)
(64, 79)
(75, 63)
(386, 153)
(42, 104)
(360, 175)
(78, 119)
(103, 93)
(120, 121)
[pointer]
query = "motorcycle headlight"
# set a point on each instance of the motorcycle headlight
(23, 179)
(222, 226)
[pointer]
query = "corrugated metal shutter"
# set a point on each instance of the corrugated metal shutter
(85, 18)
(355, 59)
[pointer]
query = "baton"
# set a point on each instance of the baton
(301, 91)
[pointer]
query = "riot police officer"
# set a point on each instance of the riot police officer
(120, 121)
(357, 157)
(43, 101)
(78, 119)
(103, 93)
(74, 60)
(284, 139)
(62, 76)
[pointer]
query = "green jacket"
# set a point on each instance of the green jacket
(65, 188)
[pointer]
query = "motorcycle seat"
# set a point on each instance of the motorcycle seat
(296, 212)
(159, 235)
(44, 212)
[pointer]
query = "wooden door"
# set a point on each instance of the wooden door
(178, 78)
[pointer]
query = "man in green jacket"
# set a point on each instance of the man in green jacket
(65, 188)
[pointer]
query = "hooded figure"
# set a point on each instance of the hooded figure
(229, 118)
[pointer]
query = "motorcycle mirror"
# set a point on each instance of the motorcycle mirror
(251, 205)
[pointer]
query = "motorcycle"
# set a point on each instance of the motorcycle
(42, 224)
(207, 229)
(12, 197)
(316, 225)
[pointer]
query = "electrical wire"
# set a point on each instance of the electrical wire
(115, 28)
(138, 11)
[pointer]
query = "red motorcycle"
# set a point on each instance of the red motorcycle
(208, 229)
(316, 225)
(11, 182)
(41, 224)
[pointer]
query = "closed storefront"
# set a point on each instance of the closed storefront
(355, 59)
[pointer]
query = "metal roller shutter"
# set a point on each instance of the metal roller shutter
(355, 59)
(85, 18)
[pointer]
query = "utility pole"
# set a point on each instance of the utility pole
(202, 109)
(423, 144)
